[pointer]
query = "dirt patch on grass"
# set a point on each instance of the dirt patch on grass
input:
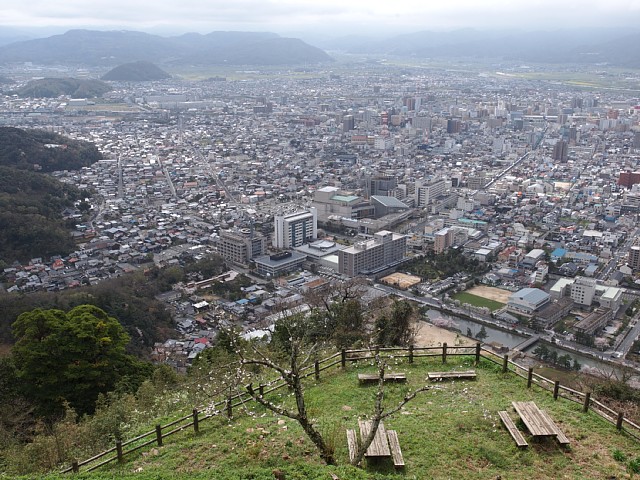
(428, 335)
(492, 293)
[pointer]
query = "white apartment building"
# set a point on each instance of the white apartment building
(295, 228)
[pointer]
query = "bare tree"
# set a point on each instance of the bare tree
(299, 354)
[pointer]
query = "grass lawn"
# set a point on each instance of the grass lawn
(477, 301)
(450, 431)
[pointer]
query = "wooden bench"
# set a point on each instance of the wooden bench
(434, 376)
(388, 377)
(396, 453)
(352, 443)
(513, 430)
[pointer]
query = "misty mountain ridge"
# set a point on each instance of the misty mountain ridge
(110, 48)
(612, 46)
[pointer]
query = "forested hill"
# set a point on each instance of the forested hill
(136, 72)
(31, 223)
(54, 87)
(44, 151)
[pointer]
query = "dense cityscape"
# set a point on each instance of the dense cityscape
(314, 174)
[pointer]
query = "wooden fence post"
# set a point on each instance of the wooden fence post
(529, 377)
(261, 390)
(316, 369)
(587, 400)
(75, 468)
(119, 451)
(343, 358)
(505, 363)
(229, 408)
(411, 353)
(196, 425)
(444, 352)
(477, 353)
(556, 389)
(159, 434)
(619, 421)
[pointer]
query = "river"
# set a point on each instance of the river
(462, 325)
(509, 339)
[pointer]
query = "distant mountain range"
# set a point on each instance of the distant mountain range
(603, 46)
(109, 48)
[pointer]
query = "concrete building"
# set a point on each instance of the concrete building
(634, 257)
(443, 239)
(279, 264)
(240, 246)
(583, 291)
(385, 205)
(528, 301)
(427, 192)
(369, 256)
(331, 202)
(295, 228)
(593, 322)
(533, 257)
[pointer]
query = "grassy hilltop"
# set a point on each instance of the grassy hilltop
(450, 431)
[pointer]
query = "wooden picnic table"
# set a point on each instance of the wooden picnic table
(385, 443)
(538, 422)
(380, 445)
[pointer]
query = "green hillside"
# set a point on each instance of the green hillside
(31, 223)
(44, 151)
(136, 72)
(450, 431)
(54, 87)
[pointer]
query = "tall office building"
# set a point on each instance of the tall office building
(428, 191)
(240, 246)
(561, 151)
(348, 123)
(294, 229)
(634, 257)
(381, 185)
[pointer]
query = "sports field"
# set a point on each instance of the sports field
(475, 300)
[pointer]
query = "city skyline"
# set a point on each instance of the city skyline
(329, 17)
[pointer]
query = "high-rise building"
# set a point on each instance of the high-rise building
(348, 123)
(381, 185)
(583, 290)
(628, 179)
(369, 256)
(561, 151)
(296, 228)
(454, 126)
(634, 257)
(240, 246)
(427, 192)
(443, 239)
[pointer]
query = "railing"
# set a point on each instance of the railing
(341, 358)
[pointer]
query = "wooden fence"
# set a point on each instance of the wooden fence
(340, 359)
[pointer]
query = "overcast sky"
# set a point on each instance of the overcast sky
(331, 16)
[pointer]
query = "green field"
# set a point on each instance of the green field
(451, 431)
(477, 301)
